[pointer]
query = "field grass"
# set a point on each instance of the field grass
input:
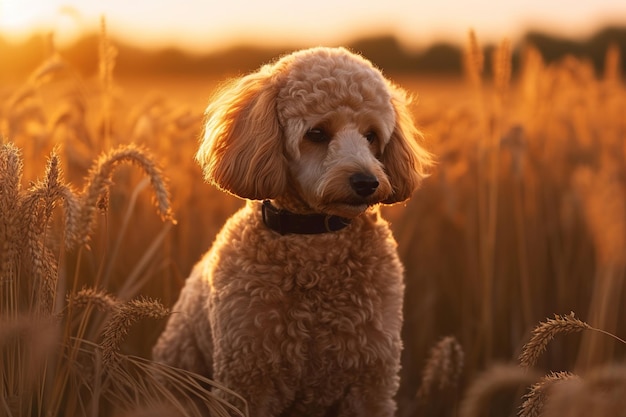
(103, 213)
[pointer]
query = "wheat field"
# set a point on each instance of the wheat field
(514, 247)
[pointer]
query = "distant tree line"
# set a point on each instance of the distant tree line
(387, 52)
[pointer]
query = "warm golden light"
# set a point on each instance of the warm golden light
(16, 16)
(201, 25)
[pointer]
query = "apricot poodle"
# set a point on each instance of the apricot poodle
(298, 304)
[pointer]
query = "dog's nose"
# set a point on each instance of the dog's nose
(363, 184)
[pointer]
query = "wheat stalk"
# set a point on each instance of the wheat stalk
(178, 388)
(443, 367)
(533, 68)
(502, 69)
(474, 60)
(604, 208)
(26, 344)
(107, 55)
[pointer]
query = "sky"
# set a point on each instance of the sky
(202, 25)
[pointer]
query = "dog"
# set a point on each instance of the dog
(297, 306)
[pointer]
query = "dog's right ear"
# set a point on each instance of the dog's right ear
(404, 159)
(242, 148)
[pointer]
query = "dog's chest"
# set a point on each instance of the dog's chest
(318, 311)
(314, 312)
(321, 322)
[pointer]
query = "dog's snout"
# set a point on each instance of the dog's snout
(363, 184)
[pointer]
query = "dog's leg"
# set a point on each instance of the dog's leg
(186, 341)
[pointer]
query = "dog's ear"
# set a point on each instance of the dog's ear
(405, 161)
(242, 148)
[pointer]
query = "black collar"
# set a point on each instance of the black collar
(284, 222)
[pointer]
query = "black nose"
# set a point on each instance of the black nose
(363, 184)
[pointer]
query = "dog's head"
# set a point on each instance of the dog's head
(321, 126)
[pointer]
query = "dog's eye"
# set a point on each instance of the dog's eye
(371, 136)
(317, 135)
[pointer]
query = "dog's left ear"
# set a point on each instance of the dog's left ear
(405, 161)
(242, 148)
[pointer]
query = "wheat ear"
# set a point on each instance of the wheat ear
(99, 181)
(443, 367)
(90, 296)
(534, 401)
(35, 210)
(124, 316)
(11, 176)
(545, 332)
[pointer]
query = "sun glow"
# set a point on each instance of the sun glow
(207, 24)
(13, 16)
(20, 19)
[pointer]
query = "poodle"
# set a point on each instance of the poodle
(297, 306)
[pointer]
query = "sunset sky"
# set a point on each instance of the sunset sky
(200, 25)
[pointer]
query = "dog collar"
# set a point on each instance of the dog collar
(285, 222)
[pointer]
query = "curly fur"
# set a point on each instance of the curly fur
(302, 324)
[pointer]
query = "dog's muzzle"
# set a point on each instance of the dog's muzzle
(363, 184)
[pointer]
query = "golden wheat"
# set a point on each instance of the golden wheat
(89, 296)
(564, 129)
(604, 209)
(534, 401)
(443, 367)
(37, 207)
(544, 333)
(10, 175)
(501, 64)
(474, 60)
(107, 54)
(99, 181)
(50, 362)
(124, 316)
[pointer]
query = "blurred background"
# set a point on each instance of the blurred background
(523, 217)
(206, 37)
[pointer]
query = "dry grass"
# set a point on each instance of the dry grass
(523, 217)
